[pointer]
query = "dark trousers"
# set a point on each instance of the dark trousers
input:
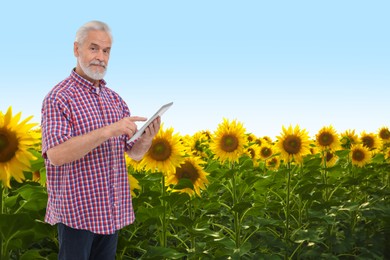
(76, 244)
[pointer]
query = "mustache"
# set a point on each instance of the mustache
(100, 63)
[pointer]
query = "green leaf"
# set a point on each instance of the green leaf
(241, 207)
(32, 254)
(161, 252)
(42, 180)
(11, 201)
(245, 163)
(13, 224)
(35, 197)
(184, 183)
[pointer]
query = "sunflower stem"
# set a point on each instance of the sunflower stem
(163, 239)
(236, 216)
(287, 231)
(191, 216)
(2, 198)
(1, 212)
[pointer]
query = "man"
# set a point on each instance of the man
(85, 128)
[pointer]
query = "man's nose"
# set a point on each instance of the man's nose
(100, 55)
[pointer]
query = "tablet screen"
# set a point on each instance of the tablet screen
(150, 120)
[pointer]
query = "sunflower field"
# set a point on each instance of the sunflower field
(221, 194)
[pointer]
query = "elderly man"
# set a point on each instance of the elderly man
(85, 132)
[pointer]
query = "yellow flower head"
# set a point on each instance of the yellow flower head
(360, 155)
(327, 139)
(348, 138)
(273, 163)
(134, 184)
(384, 134)
(313, 148)
(266, 151)
(267, 139)
(15, 140)
(134, 165)
(251, 138)
(166, 152)
(370, 140)
(229, 141)
(293, 144)
(197, 144)
(192, 170)
(253, 151)
(387, 154)
(329, 159)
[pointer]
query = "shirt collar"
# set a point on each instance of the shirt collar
(87, 84)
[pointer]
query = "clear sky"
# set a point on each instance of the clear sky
(264, 63)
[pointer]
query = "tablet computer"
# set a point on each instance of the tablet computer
(150, 120)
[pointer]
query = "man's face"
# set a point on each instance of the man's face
(93, 55)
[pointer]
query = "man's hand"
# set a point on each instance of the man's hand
(125, 126)
(143, 144)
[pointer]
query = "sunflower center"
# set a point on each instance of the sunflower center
(8, 145)
(272, 162)
(229, 143)
(292, 144)
(329, 156)
(358, 155)
(325, 139)
(160, 150)
(266, 152)
(188, 171)
(252, 152)
(368, 142)
(384, 134)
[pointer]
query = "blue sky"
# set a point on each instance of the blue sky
(263, 63)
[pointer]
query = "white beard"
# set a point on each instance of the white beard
(95, 75)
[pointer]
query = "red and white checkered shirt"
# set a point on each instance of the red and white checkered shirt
(91, 193)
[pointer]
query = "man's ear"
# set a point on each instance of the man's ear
(76, 49)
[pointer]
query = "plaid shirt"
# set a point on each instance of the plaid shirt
(91, 193)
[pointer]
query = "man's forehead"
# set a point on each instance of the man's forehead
(100, 38)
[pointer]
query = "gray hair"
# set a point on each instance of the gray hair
(82, 32)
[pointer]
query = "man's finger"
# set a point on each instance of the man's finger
(137, 118)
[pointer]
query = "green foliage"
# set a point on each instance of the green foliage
(246, 212)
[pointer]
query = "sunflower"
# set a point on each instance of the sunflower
(251, 138)
(136, 166)
(198, 144)
(348, 138)
(329, 159)
(253, 151)
(327, 139)
(166, 152)
(15, 140)
(387, 154)
(229, 141)
(268, 139)
(293, 144)
(384, 136)
(259, 141)
(191, 170)
(273, 163)
(313, 148)
(360, 155)
(134, 184)
(370, 140)
(266, 151)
